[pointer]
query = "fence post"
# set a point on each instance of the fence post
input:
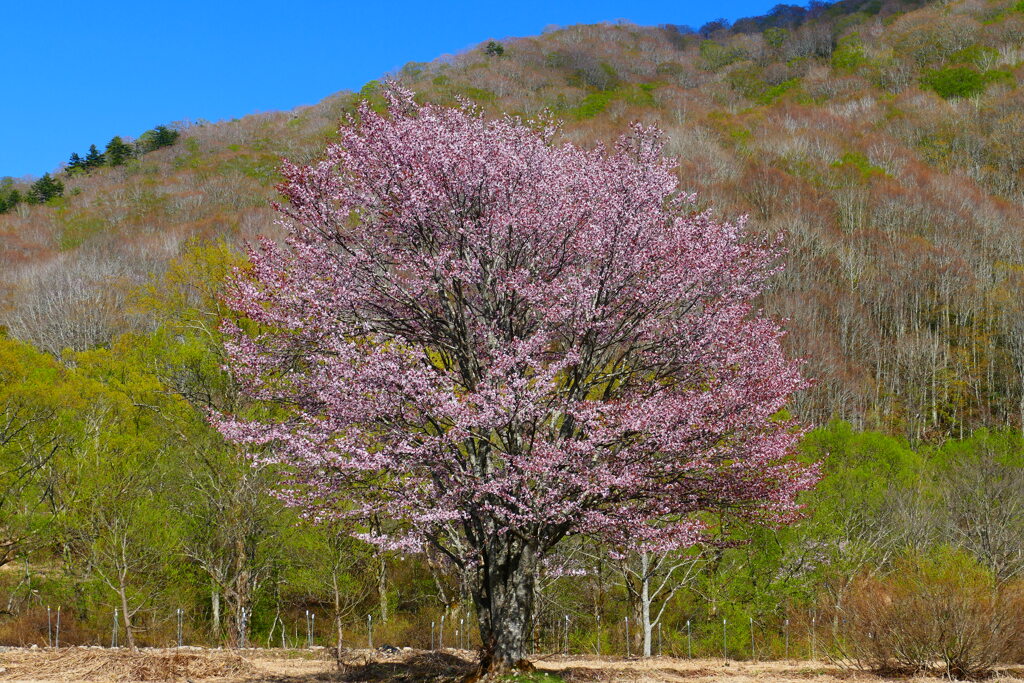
(813, 620)
(432, 624)
(369, 630)
(689, 641)
(49, 628)
(113, 635)
(599, 635)
(659, 639)
(725, 648)
(440, 634)
(180, 617)
(627, 637)
(58, 627)
(753, 649)
(786, 629)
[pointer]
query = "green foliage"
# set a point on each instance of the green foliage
(592, 105)
(45, 189)
(118, 152)
(775, 37)
(494, 49)
(261, 167)
(93, 159)
(192, 158)
(962, 81)
(716, 56)
(858, 163)
(595, 103)
(157, 138)
(371, 92)
(749, 82)
(979, 56)
(478, 94)
(849, 54)
(10, 196)
(75, 164)
(76, 227)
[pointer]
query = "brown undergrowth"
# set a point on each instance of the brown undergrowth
(94, 664)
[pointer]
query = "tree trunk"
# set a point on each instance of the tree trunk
(645, 601)
(339, 659)
(215, 608)
(128, 635)
(503, 592)
(382, 586)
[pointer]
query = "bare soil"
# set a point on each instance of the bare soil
(74, 665)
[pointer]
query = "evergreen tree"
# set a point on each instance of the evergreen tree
(158, 137)
(93, 159)
(9, 196)
(75, 163)
(118, 151)
(44, 189)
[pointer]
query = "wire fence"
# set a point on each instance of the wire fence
(693, 637)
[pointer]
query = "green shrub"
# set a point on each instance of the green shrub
(716, 56)
(775, 37)
(955, 81)
(478, 94)
(977, 55)
(593, 104)
(849, 54)
(749, 83)
(76, 228)
(776, 91)
(859, 163)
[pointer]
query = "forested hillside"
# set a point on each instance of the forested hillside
(883, 139)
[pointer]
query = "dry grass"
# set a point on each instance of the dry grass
(303, 666)
(94, 664)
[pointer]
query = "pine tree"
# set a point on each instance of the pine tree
(117, 151)
(44, 189)
(9, 196)
(75, 163)
(93, 159)
(158, 137)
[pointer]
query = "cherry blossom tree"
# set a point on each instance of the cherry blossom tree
(497, 340)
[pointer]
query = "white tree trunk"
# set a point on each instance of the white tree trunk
(645, 601)
(215, 608)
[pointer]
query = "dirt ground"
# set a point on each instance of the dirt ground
(72, 665)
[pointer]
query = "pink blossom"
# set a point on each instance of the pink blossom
(475, 331)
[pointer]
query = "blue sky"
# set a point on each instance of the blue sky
(81, 72)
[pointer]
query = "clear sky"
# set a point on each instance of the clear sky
(81, 71)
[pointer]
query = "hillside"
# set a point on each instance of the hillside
(885, 139)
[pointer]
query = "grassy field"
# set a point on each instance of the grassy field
(298, 666)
